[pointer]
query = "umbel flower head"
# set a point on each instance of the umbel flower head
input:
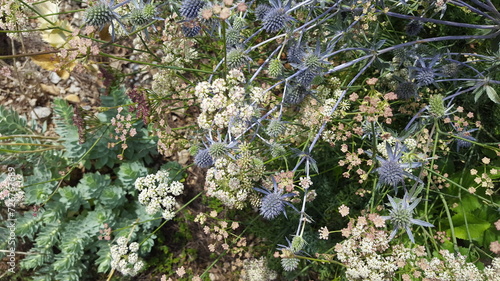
(273, 203)
(391, 171)
(401, 215)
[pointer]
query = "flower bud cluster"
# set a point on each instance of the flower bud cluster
(157, 193)
(125, 258)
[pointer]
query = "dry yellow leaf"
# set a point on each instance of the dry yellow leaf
(72, 98)
(50, 89)
(52, 62)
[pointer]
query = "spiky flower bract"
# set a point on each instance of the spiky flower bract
(273, 203)
(406, 90)
(391, 171)
(191, 8)
(401, 215)
(203, 159)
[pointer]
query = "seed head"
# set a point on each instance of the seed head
(295, 95)
(239, 23)
(138, 18)
(233, 36)
(272, 206)
(273, 203)
(390, 172)
(401, 215)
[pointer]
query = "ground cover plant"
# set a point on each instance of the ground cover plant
(259, 140)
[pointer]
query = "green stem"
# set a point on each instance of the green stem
(452, 228)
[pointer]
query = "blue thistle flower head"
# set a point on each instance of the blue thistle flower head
(401, 215)
(276, 17)
(406, 90)
(190, 28)
(413, 28)
(273, 203)
(190, 9)
(103, 13)
(261, 11)
(465, 135)
(143, 13)
(425, 72)
(311, 64)
(392, 171)
(203, 159)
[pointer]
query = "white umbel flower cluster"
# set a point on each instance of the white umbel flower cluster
(124, 257)
(157, 193)
(257, 270)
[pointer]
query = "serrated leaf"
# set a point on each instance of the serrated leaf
(492, 94)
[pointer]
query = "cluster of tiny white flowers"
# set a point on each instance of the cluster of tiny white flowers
(124, 258)
(11, 192)
(367, 256)
(157, 193)
(257, 270)
(225, 104)
(363, 252)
